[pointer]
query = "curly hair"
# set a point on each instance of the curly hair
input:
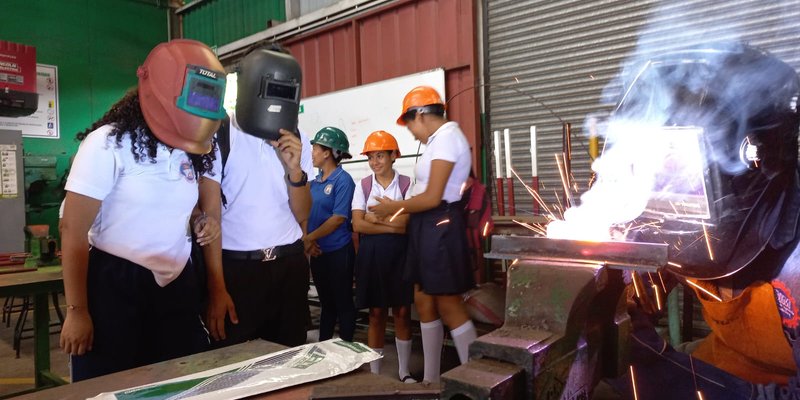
(127, 119)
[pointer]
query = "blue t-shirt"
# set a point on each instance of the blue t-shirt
(332, 196)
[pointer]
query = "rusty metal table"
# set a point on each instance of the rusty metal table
(357, 384)
(38, 283)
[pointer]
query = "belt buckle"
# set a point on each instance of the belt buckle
(269, 254)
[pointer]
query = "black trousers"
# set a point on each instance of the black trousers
(136, 322)
(271, 300)
(333, 278)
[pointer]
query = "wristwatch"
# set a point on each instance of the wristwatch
(301, 183)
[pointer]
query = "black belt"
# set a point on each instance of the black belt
(268, 254)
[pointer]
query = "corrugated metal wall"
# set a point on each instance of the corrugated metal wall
(399, 39)
(563, 54)
(218, 22)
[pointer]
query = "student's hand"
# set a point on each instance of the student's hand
(206, 228)
(311, 247)
(371, 218)
(77, 334)
(219, 305)
(385, 208)
(289, 149)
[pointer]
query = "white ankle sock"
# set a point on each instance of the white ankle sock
(463, 336)
(432, 339)
(375, 366)
(403, 355)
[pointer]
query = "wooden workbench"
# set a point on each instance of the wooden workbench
(356, 384)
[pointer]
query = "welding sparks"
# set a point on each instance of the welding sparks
(694, 378)
(674, 264)
(633, 384)
(514, 262)
(704, 290)
(635, 286)
(396, 214)
(662, 282)
(708, 243)
(535, 227)
(442, 222)
(657, 291)
(485, 229)
(533, 193)
(561, 162)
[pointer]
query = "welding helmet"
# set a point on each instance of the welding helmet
(419, 100)
(723, 122)
(268, 95)
(181, 91)
(334, 139)
(380, 141)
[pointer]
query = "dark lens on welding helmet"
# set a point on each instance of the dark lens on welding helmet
(204, 96)
(203, 93)
(282, 91)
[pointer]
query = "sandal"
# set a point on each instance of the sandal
(408, 379)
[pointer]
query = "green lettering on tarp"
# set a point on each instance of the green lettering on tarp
(159, 392)
(354, 346)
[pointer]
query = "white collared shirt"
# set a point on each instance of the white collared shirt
(258, 214)
(145, 209)
(448, 143)
(392, 191)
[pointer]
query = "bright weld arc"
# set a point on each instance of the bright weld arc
(633, 384)
(704, 290)
(444, 221)
(396, 214)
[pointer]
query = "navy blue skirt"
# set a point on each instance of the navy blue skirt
(438, 256)
(379, 272)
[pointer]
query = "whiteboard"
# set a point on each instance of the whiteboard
(361, 110)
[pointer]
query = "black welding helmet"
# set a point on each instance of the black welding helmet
(268, 95)
(721, 124)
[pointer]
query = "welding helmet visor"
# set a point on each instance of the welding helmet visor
(203, 93)
(723, 126)
(268, 99)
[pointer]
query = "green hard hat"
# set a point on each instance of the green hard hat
(333, 138)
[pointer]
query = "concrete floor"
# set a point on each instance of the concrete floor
(16, 374)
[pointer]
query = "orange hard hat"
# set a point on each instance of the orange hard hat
(419, 96)
(379, 141)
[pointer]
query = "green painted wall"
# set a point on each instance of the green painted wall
(219, 22)
(97, 46)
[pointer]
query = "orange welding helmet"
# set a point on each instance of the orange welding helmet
(418, 98)
(380, 141)
(181, 91)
